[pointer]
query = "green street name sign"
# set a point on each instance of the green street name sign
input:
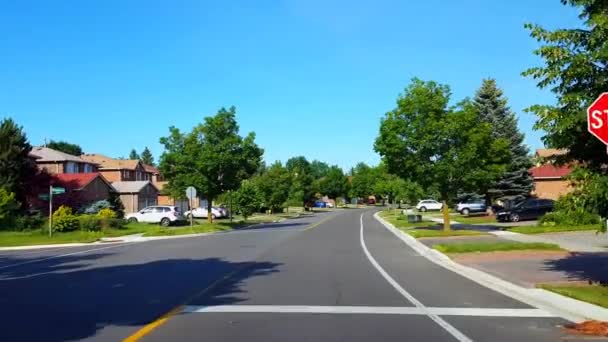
(57, 191)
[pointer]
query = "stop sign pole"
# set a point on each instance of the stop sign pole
(597, 118)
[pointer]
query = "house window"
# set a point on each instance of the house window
(71, 167)
(88, 168)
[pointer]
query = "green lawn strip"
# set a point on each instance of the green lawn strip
(474, 219)
(551, 229)
(425, 233)
(196, 229)
(41, 237)
(594, 294)
(400, 221)
(494, 247)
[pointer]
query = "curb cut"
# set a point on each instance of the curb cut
(565, 307)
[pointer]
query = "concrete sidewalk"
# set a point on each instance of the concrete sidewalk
(585, 241)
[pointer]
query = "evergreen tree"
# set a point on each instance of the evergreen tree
(17, 169)
(147, 157)
(492, 107)
(133, 155)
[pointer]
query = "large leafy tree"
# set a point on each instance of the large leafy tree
(363, 181)
(302, 190)
(492, 107)
(213, 157)
(147, 157)
(65, 147)
(395, 189)
(318, 169)
(247, 199)
(575, 69)
(334, 184)
(424, 141)
(273, 185)
(17, 169)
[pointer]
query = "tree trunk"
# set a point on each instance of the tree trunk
(209, 213)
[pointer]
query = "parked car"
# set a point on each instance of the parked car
(203, 213)
(425, 205)
(530, 209)
(319, 204)
(465, 208)
(163, 214)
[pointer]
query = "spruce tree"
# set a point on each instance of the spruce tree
(146, 157)
(492, 107)
(133, 155)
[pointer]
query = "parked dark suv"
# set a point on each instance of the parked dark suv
(530, 209)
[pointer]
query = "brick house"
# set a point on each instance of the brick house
(56, 162)
(550, 181)
(119, 170)
(136, 195)
(82, 188)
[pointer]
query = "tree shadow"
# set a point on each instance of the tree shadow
(73, 297)
(591, 267)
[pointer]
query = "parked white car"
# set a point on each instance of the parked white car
(202, 213)
(428, 205)
(165, 215)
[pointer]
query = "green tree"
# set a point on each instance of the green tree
(334, 184)
(133, 155)
(574, 69)
(247, 199)
(362, 182)
(8, 207)
(147, 157)
(17, 169)
(396, 189)
(213, 157)
(274, 185)
(492, 108)
(318, 169)
(302, 190)
(424, 141)
(65, 147)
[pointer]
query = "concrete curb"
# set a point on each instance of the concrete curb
(565, 307)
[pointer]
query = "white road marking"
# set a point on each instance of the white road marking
(440, 321)
(61, 255)
(370, 310)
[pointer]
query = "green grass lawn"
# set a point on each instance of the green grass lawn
(430, 233)
(594, 294)
(551, 229)
(196, 229)
(494, 246)
(400, 221)
(474, 219)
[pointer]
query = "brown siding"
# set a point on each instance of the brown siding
(52, 168)
(128, 201)
(551, 188)
(111, 175)
(147, 196)
(95, 191)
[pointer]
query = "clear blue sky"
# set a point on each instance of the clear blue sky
(309, 77)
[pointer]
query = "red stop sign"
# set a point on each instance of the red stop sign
(597, 118)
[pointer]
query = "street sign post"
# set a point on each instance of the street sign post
(191, 194)
(597, 118)
(52, 191)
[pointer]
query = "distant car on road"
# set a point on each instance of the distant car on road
(465, 208)
(163, 214)
(425, 205)
(530, 209)
(203, 213)
(319, 204)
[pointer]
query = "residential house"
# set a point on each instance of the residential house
(550, 181)
(56, 162)
(82, 188)
(119, 170)
(154, 172)
(136, 195)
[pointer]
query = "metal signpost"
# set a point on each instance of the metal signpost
(52, 191)
(191, 194)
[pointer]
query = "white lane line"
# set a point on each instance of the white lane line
(440, 321)
(61, 256)
(370, 310)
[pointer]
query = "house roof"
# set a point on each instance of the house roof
(44, 154)
(78, 181)
(107, 163)
(151, 169)
(549, 152)
(550, 171)
(131, 187)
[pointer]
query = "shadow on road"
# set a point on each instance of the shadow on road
(592, 267)
(71, 298)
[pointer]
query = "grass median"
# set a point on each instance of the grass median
(495, 247)
(594, 294)
(400, 221)
(476, 219)
(552, 229)
(436, 233)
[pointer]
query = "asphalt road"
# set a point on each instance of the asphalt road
(338, 276)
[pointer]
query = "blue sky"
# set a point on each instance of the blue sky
(310, 77)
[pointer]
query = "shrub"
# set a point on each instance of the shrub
(8, 208)
(112, 223)
(569, 218)
(107, 213)
(28, 222)
(96, 207)
(64, 220)
(89, 222)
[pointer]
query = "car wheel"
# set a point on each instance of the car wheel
(465, 212)
(189, 216)
(132, 220)
(165, 222)
(514, 218)
(423, 209)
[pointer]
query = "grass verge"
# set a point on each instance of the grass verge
(431, 233)
(551, 229)
(474, 219)
(400, 221)
(495, 246)
(594, 294)
(196, 229)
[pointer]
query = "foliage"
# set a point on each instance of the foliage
(247, 199)
(589, 195)
(64, 220)
(397, 189)
(89, 222)
(147, 157)
(116, 204)
(133, 155)
(28, 222)
(273, 185)
(213, 157)
(107, 213)
(494, 247)
(422, 140)
(363, 181)
(95, 207)
(492, 108)
(17, 169)
(8, 207)
(302, 190)
(334, 184)
(569, 211)
(65, 147)
(574, 69)
(318, 169)
(594, 294)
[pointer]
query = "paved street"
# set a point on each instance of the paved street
(337, 276)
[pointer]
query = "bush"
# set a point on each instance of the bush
(28, 222)
(96, 207)
(64, 220)
(8, 208)
(112, 223)
(107, 213)
(89, 222)
(569, 218)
